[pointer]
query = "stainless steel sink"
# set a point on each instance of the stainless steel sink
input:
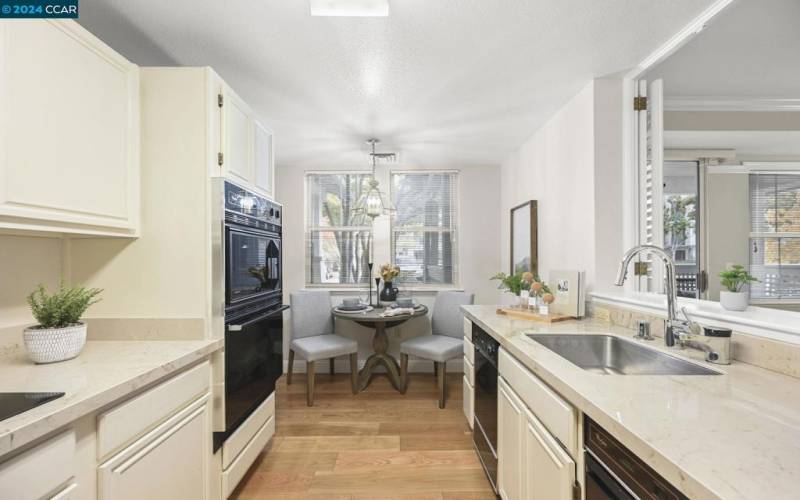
(612, 355)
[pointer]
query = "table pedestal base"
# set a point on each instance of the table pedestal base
(380, 343)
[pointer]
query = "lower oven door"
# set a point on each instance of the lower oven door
(253, 363)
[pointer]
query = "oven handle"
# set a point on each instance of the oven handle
(240, 326)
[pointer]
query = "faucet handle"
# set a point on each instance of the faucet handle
(693, 326)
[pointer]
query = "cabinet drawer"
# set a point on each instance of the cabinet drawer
(124, 423)
(469, 372)
(469, 402)
(467, 329)
(233, 474)
(249, 428)
(168, 462)
(469, 351)
(40, 471)
(557, 415)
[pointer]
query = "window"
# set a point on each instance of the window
(775, 236)
(424, 240)
(338, 237)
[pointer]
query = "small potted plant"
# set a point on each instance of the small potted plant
(513, 283)
(734, 279)
(59, 335)
(389, 272)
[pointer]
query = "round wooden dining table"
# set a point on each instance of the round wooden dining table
(376, 320)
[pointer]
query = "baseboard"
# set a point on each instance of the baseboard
(343, 366)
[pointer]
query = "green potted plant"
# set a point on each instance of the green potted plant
(59, 334)
(735, 279)
(514, 284)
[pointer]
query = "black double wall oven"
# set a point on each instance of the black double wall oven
(253, 303)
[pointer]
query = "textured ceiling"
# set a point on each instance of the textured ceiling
(445, 82)
(752, 49)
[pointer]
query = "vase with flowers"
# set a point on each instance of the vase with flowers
(543, 296)
(388, 273)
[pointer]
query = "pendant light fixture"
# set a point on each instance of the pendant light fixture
(372, 203)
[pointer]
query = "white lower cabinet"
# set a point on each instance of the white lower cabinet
(549, 472)
(170, 462)
(510, 456)
(532, 463)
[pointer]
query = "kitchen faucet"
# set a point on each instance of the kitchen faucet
(674, 326)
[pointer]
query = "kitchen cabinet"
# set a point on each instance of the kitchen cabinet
(534, 463)
(247, 149)
(510, 456)
(549, 470)
(169, 462)
(237, 138)
(264, 176)
(70, 138)
(469, 375)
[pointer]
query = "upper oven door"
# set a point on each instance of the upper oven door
(253, 264)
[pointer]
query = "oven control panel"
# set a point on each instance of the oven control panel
(257, 210)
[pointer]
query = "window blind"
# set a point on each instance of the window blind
(338, 237)
(775, 236)
(424, 227)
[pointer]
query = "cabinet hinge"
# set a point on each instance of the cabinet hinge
(639, 103)
(640, 268)
(576, 491)
(219, 100)
(219, 159)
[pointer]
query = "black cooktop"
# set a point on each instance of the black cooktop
(14, 403)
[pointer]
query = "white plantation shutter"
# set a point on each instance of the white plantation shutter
(775, 236)
(424, 227)
(651, 181)
(338, 236)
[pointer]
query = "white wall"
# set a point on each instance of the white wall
(572, 166)
(24, 263)
(479, 250)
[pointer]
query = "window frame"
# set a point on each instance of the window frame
(790, 169)
(307, 229)
(456, 285)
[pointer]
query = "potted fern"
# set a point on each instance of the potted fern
(59, 335)
(735, 279)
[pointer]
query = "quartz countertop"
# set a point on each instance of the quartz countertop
(731, 436)
(104, 372)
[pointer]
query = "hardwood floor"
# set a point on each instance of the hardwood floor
(379, 444)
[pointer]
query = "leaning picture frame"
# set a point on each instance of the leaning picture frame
(524, 245)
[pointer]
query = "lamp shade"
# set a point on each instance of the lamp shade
(373, 204)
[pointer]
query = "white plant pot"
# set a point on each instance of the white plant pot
(734, 301)
(49, 345)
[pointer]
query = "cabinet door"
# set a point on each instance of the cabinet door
(549, 470)
(70, 131)
(169, 463)
(237, 138)
(510, 450)
(263, 158)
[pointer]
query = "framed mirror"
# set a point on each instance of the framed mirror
(718, 150)
(524, 247)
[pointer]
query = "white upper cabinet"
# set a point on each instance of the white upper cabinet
(237, 138)
(69, 132)
(263, 158)
(247, 152)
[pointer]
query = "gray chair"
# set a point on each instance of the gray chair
(446, 343)
(313, 338)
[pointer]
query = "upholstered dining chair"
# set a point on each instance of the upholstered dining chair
(313, 338)
(446, 343)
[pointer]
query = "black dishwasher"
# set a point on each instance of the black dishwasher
(613, 472)
(484, 432)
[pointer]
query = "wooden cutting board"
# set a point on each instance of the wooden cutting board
(532, 316)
